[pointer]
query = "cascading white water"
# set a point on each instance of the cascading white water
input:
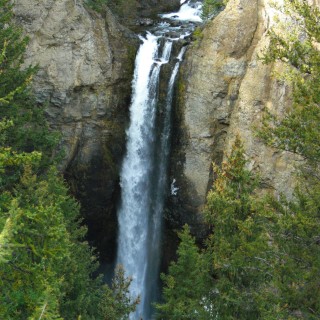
(162, 157)
(134, 214)
(187, 12)
(143, 176)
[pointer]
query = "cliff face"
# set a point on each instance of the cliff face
(82, 69)
(224, 89)
(150, 8)
(86, 65)
(134, 13)
(85, 72)
(84, 77)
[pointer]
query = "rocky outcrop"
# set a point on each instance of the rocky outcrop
(85, 70)
(84, 79)
(224, 89)
(153, 7)
(135, 14)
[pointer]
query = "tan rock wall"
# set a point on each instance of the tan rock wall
(85, 70)
(225, 90)
(262, 90)
(82, 70)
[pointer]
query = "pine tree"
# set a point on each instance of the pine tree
(116, 302)
(295, 231)
(294, 263)
(13, 80)
(212, 7)
(30, 130)
(39, 244)
(46, 266)
(264, 253)
(239, 241)
(299, 130)
(187, 286)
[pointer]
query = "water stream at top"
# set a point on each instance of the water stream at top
(143, 177)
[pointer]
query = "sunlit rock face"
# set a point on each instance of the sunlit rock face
(224, 90)
(85, 71)
(84, 80)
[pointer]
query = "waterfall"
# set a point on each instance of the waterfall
(135, 212)
(160, 189)
(163, 157)
(143, 176)
(187, 12)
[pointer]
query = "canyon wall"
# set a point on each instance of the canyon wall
(86, 62)
(135, 13)
(224, 91)
(85, 70)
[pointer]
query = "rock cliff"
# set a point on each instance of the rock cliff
(133, 13)
(224, 89)
(84, 78)
(85, 70)
(86, 64)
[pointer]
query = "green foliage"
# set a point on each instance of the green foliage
(187, 286)
(10, 158)
(263, 254)
(28, 130)
(212, 7)
(265, 251)
(299, 130)
(296, 231)
(197, 36)
(238, 240)
(294, 264)
(117, 303)
(40, 244)
(46, 266)
(13, 80)
(97, 5)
